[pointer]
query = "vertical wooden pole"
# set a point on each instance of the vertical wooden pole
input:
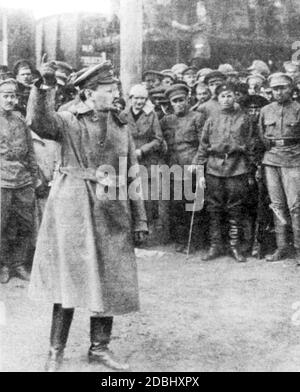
(5, 38)
(131, 41)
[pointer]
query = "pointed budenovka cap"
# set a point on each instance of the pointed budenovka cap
(101, 73)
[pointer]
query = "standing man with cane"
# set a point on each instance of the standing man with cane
(85, 248)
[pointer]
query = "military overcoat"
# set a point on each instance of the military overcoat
(85, 250)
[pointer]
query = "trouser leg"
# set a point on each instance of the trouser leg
(23, 207)
(5, 257)
(279, 206)
(236, 188)
(291, 183)
(100, 333)
(215, 207)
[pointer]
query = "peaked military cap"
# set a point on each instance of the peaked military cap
(8, 85)
(214, 75)
(153, 72)
(280, 79)
(177, 90)
(225, 87)
(101, 73)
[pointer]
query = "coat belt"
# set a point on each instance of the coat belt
(95, 175)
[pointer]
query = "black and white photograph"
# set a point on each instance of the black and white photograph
(150, 188)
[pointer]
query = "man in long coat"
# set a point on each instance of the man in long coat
(147, 135)
(85, 249)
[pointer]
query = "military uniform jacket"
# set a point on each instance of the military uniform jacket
(18, 164)
(281, 122)
(226, 147)
(182, 135)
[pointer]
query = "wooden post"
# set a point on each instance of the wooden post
(4, 38)
(131, 41)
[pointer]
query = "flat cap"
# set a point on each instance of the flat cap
(280, 79)
(62, 72)
(177, 90)
(152, 72)
(255, 100)
(214, 75)
(169, 73)
(101, 73)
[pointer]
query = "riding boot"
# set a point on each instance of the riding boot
(61, 323)
(101, 329)
(234, 237)
(295, 215)
(282, 250)
(215, 235)
(257, 246)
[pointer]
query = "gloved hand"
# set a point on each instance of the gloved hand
(47, 71)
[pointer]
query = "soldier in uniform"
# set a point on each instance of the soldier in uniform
(225, 157)
(5, 72)
(280, 132)
(182, 131)
(212, 107)
(18, 179)
(23, 72)
(258, 219)
(152, 79)
(85, 249)
(178, 70)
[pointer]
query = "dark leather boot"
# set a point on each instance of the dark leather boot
(283, 250)
(215, 235)
(22, 273)
(213, 253)
(295, 215)
(235, 241)
(61, 323)
(4, 275)
(101, 329)
(297, 257)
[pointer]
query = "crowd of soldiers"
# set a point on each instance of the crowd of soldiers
(209, 120)
(237, 133)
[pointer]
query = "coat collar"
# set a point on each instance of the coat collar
(81, 109)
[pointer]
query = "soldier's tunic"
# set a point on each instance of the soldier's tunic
(18, 175)
(226, 152)
(182, 135)
(280, 132)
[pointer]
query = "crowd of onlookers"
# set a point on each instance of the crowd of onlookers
(176, 116)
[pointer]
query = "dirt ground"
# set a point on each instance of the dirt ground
(196, 316)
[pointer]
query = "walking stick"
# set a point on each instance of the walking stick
(192, 221)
